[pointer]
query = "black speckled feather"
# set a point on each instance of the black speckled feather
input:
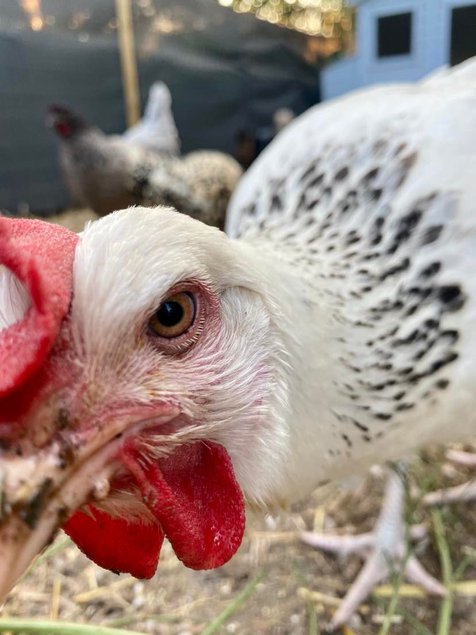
(371, 199)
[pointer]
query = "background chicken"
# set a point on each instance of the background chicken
(103, 172)
(200, 183)
(108, 172)
(156, 130)
(330, 331)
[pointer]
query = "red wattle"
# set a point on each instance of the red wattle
(115, 543)
(194, 495)
(198, 505)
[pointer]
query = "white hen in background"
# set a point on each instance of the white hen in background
(156, 130)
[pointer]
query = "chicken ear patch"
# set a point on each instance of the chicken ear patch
(116, 544)
(194, 495)
(40, 256)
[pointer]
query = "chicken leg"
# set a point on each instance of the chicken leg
(385, 550)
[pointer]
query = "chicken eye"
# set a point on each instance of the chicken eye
(174, 316)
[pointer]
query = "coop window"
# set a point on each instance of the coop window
(463, 34)
(394, 35)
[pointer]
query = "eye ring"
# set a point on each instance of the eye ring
(174, 317)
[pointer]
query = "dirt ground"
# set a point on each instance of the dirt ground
(298, 587)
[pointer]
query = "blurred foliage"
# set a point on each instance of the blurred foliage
(330, 23)
(326, 18)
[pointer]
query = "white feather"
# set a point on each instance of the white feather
(156, 130)
(14, 298)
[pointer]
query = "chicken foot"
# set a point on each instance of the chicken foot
(385, 551)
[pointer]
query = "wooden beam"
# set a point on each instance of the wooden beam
(130, 82)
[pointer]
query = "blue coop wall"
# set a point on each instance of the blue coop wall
(430, 45)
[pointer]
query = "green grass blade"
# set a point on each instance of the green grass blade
(312, 617)
(48, 553)
(446, 607)
(129, 619)
(468, 559)
(392, 605)
(240, 599)
(49, 627)
(417, 627)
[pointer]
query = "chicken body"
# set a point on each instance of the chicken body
(200, 183)
(109, 172)
(331, 329)
(369, 202)
(104, 173)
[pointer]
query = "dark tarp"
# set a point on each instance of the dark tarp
(226, 72)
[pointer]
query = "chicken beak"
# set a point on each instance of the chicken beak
(36, 499)
(41, 488)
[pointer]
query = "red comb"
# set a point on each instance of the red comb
(41, 256)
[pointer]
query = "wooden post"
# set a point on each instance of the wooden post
(130, 80)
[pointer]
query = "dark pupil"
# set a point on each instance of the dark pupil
(170, 313)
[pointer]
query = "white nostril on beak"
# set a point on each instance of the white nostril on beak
(14, 298)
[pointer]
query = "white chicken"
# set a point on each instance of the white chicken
(167, 372)
(156, 130)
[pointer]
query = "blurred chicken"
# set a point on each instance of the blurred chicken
(200, 184)
(107, 172)
(156, 130)
(102, 172)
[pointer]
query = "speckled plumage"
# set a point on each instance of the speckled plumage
(199, 184)
(371, 199)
